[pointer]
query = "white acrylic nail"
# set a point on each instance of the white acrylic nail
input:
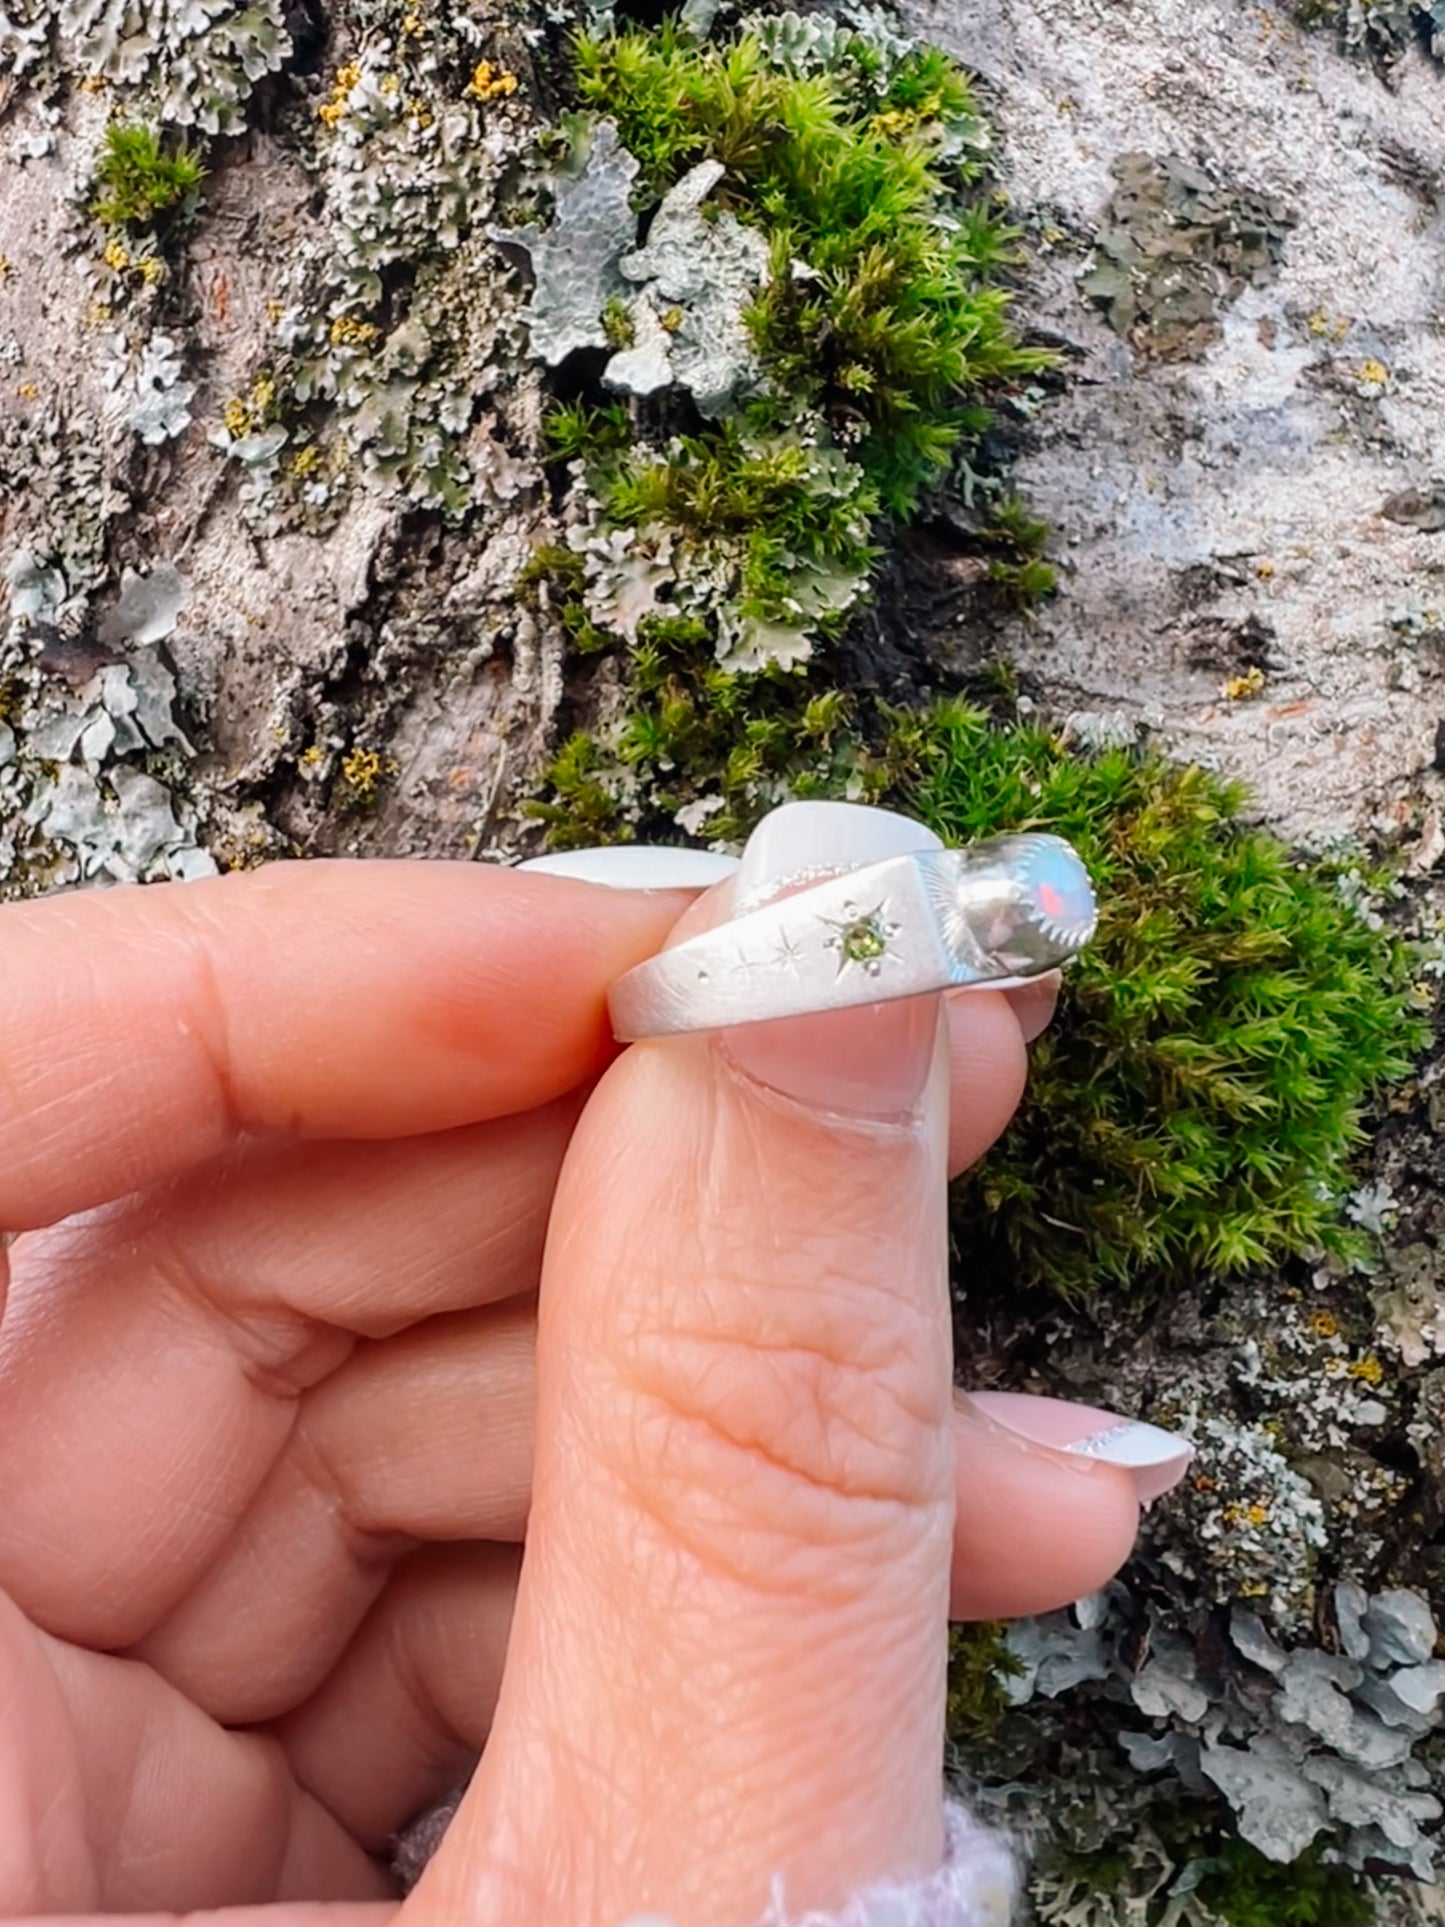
(1156, 1458)
(800, 843)
(637, 866)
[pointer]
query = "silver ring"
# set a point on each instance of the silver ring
(994, 914)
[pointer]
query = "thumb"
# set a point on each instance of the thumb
(728, 1655)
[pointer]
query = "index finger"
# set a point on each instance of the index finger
(144, 1029)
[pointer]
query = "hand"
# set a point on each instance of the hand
(281, 1150)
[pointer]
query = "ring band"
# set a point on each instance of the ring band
(995, 914)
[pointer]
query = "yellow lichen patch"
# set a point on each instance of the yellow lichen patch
(152, 270)
(1264, 570)
(1320, 324)
(236, 418)
(274, 311)
(1367, 1370)
(310, 760)
(347, 332)
(411, 27)
(1323, 1324)
(1240, 689)
(491, 83)
(390, 85)
(302, 464)
(28, 391)
(1240, 1514)
(1373, 374)
(116, 255)
(334, 109)
(363, 771)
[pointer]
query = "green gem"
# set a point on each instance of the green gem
(863, 941)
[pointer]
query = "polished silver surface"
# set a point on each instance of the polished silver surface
(992, 915)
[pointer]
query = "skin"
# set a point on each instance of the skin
(294, 1157)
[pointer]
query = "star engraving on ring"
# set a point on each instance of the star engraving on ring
(861, 937)
(788, 955)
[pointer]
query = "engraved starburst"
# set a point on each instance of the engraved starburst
(788, 955)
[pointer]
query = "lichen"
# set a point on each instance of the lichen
(1302, 1755)
(161, 409)
(90, 735)
(1380, 30)
(385, 328)
(192, 63)
(1176, 248)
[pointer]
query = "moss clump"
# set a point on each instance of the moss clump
(979, 1667)
(1195, 1105)
(1243, 1889)
(876, 313)
(1141, 1880)
(142, 182)
(720, 557)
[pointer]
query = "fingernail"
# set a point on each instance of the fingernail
(801, 843)
(872, 1061)
(1084, 1433)
(1034, 1004)
(637, 866)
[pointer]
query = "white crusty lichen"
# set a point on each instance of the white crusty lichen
(160, 410)
(693, 281)
(196, 61)
(90, 733)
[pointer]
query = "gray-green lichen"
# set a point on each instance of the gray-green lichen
(161, 408)
(1306, 1745)
(694, 281)
(405, 396)
(195, 61)
(1175, 249)
(1382, 30)
(90, 734)
(576, 258)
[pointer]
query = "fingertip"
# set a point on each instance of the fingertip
(988, 1067)
(1033, 1534)
(1033, 1004)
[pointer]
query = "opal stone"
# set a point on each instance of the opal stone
(1057, 883)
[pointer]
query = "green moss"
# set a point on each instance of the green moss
(1245, 1890)
(979, 1667)
(882, 334)
(1231, 1884)
(782, 504)
(617, 324)
(1017, 567)
(1195, 1105)
(141, 180)
(879, 314)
